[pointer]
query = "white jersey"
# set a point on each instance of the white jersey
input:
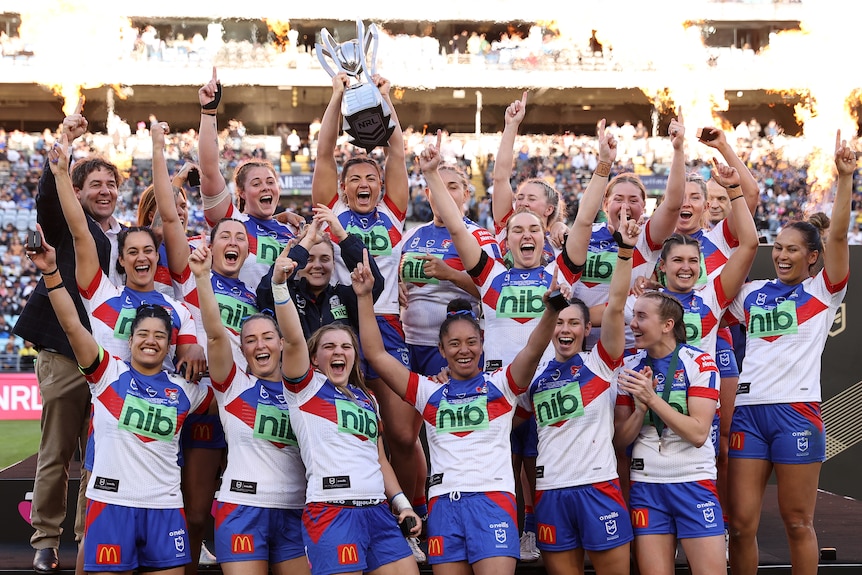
(467, 424)
(716, 247)
(112, 310)
(512, 305)
(264, 467)
(382, 232)
(136, 423)
(672, 459)
(703, 309)
(574, 407)
(236, 301)
(427, 297)
(787, 327)
(337, 439)
(595, 281)
(266, 240)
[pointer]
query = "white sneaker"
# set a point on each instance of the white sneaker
(418, 554)
(207, 559)
(529, 551)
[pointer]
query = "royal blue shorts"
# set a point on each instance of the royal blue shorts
(244, 533)
(790, 433)
(686, 510)
(525, 438)
(592, 517)
(472, 526)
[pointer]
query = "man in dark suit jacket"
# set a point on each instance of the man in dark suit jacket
(65, 395)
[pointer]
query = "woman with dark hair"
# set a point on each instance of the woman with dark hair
(134, 511)
(347, 525)
(777, 425)
(579, 502)
(472, 519)
(372, 204)
(263, 451)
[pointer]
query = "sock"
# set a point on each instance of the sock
(420, 507)
(529, 519)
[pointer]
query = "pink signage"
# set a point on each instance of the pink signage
(19, 396)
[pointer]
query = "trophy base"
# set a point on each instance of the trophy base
(369, 128)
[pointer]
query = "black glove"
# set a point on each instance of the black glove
(618, 237)
(216, 99)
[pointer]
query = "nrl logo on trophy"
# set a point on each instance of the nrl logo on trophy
(367, 118)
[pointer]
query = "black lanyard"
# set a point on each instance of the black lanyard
(668, 386)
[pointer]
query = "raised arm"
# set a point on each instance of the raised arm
(747, 183)
(393, 372)
(664, 218)
(395, 169)
(450, 213)
(579, 235)
(176, 244)
(503, 194)
(86, 256)
(83, 344)
(523, 367)
(214, 193)
(220, 357)
(736, 269)
(613, 334)
(295, 362)
(836, 260)
(324, 182)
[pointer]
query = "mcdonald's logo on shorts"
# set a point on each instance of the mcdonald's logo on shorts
(347, 554)
(737, 441)
(242, 543)
(640, 518)
(435, 546)
(547, 534)
(107, 554)
(202, 432)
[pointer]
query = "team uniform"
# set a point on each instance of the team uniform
(134, 514)
(163, 280)
(777, 415)
(579, 503)
(263, 486)
(593, 287)
(673, 482)
(266, 240)
(347, 524)
(382, 232)
(512, 304)
(471, 511)
(112, 309)
(428, 297)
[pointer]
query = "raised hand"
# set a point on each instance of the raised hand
(429, 159)
(58, 156)
(210, 93)
(201, 260)
(845, 157)
(516, 111)
(75, 124)
(45, 259)
(283, 267)
(361, 277)
(323, 215)
(157, 133)
(676, 131)
(607, 143)
(724, 175)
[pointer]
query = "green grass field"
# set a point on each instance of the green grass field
(20, 441)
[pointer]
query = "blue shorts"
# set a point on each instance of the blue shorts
(204, 431)
(725, 358)
(687, 510)
(472, 526)
(393, 340)
(118, 538)
(780, 432)
(592, 517)
(426, 359)
(525, 438)
(340, 538)
(244, 533)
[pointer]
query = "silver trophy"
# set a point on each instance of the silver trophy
(367, 117)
